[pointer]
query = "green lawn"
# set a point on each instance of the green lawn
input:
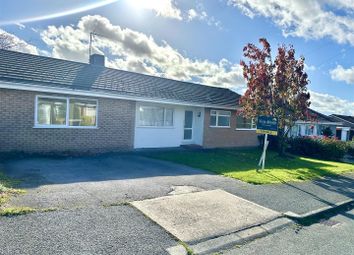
(241, 164)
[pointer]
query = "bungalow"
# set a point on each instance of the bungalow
(318, 125)
(50, 105)
(315, 125)
(346, 130)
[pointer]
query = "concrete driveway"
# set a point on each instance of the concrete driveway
(118, 178)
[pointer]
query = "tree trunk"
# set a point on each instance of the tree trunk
(281, 142)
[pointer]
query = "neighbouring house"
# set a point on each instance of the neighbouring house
(50, 105)
(346, 131)
(316, 124)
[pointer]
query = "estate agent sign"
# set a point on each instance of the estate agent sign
(267, 125)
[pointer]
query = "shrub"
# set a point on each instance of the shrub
(351, 148)
(325, 148)
(327, 131)
(273, 142)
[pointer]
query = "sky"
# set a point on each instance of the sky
(195, 40)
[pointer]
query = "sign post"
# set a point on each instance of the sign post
(266, 125)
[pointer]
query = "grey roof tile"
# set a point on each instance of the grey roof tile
(39, 70)
(346, 119)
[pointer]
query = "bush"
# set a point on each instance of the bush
(327, 131)
(325, 148)
(273, 142)
(351, 148)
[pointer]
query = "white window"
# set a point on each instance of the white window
(244, 123)
(65, 112)
(154, 116)
(295, 131)
(220, 118)
(309, 129)
(82, 113)
(51, 111)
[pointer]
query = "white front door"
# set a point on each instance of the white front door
(188, 125)
(345, 134)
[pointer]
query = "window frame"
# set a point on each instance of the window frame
(217, 114)
(37, 125)
(253, 123)
(164, 116)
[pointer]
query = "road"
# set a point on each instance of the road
(332, 236)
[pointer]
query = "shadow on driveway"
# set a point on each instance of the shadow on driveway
(39, 171)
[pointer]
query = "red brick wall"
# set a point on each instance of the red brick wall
(115, 127)
(227, 137)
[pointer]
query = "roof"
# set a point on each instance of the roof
(322, 117)
(346, 119)
(51, 72)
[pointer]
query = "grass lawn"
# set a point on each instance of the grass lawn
(241, 164)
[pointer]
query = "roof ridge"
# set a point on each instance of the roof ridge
(340, 116)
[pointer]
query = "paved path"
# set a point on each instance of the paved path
(196, 217)
(80, 182)
(319, 239)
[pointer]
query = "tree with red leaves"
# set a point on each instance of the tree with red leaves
(275, 88)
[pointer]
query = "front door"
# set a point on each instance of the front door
(188, 126)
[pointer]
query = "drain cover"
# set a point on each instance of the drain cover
(330, 223)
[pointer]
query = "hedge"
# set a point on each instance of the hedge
(321, 148)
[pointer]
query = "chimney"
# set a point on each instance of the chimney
(97, 59)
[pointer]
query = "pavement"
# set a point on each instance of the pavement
(111, 179)
(327, 237)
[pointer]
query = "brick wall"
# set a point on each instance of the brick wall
(115, 127)
(227, 137)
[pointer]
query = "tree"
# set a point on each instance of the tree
(277, 88)
(7, 41)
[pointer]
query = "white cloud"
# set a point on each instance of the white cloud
(201, 15)
(20, 45)
(312, 19)
(20, 26)
(341, 74)
(163, 8)
(329, 104)
(310, 68)
(135, 51)
(193, 14)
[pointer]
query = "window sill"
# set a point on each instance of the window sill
(64, 127)
(156, 127)
(218, 127)
(245, 129)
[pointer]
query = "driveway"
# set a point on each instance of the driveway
(117, 178)
(104, 230)
(90, 195)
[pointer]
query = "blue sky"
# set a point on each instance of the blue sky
(194, 40)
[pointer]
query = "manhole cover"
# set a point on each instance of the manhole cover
(330, 223)
(177, 190)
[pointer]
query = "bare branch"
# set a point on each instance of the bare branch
(7, 42)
